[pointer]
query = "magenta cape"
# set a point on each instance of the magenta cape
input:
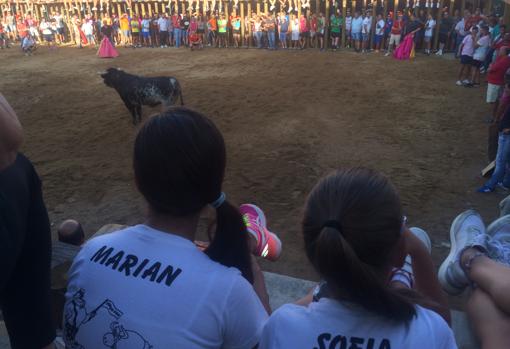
(405, 48)
(106, 49)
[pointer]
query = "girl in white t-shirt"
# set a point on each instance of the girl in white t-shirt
(481, 47)
(429, 32)
(149, 286)
(354, 236)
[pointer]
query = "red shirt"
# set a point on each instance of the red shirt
(472, 21)
(396, 28)
(496, 74)
(176, 21)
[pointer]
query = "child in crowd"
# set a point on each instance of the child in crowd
(321, 29)
(336, 30)
(283, 29)
(396, 33)
(365, 30)
(150, 282)
(467, 50)
(379, 32)
(348, 27)
(356, 28)
(356, 239)
(481, 48)
(429, 32)
(304, 31)
(295, 32)
(28, 44)
(146, 31)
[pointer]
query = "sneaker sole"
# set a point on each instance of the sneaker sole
(443, 269)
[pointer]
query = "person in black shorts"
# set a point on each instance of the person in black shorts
(25, 243)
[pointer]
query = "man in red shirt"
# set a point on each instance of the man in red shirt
(396, 33)
(496, 77)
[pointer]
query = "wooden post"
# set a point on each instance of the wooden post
(250, 34)
(489, 7)
(463, 7)
(439, 18)
(344, 14)
(119, 12)
(258, 8)
(326, 32)
(265, 7)
(242, 23)
(385, 9)
(317, 7)
(299, 9)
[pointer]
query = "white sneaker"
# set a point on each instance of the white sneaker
(386, 54)
(467, 231)
(465, 82)
(458, 83)
(424, 237)
(499, 243)
(271, 8)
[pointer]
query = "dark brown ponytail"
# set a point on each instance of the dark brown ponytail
(179, 163)
(351, 226)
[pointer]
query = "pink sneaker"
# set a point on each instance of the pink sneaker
(269, 245)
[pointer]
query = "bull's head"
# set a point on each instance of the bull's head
(111, 76)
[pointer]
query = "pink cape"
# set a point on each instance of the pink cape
(403, 50)
(106, 49)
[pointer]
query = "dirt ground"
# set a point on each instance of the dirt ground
(288, 118)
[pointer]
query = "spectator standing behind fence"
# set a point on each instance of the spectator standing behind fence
(430, 24)
(356, 28)
(125, 30)
(460, 30)
(446, 27)
(163, 24)
(25, 243)
(366, 26)
(335, 30)
(396, 33)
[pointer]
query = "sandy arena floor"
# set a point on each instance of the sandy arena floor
(288, 118)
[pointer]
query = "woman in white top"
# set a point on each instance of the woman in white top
(149, 286)
(429, 32)
(354, 236)
(295, 31)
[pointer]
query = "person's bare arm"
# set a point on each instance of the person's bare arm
(10, 134)
(425, 276)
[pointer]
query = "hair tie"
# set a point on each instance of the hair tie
(219, 201)
(333, 224)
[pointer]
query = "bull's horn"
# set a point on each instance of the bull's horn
(101, 72)
(119, 69)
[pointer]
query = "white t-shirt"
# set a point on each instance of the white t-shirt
(459, 27)
(348, 22)
(163, 24)
(379, 28)
(483, 46)
(429, 27)
(87, 28)
(324, 323)
(143, 288)
(367, 23)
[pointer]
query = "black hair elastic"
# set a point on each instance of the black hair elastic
(333, 224)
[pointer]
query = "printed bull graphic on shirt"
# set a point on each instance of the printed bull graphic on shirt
(105, 318)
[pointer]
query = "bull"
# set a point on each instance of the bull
(136, 91)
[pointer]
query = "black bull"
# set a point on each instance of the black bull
(136, 91)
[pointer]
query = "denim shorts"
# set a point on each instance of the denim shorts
(366, 37)
(356, 36)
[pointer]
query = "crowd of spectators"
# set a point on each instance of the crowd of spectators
(363, 31)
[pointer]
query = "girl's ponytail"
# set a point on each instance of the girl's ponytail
(340, 266)
(229, 243)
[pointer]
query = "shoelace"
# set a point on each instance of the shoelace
(499, 252)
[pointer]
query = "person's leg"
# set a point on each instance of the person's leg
(490, 324)
(501, 162)
(491, 277)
